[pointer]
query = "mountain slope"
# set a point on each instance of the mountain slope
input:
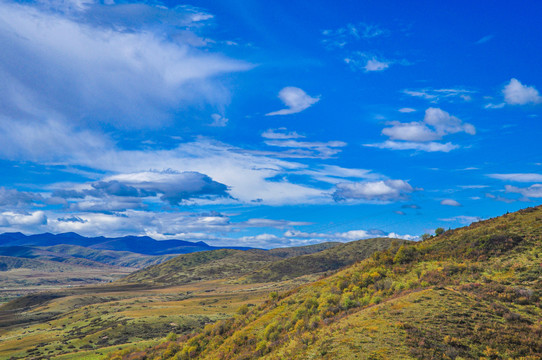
(473, 292)
(258, 265)
(217, 264)
(327, 260)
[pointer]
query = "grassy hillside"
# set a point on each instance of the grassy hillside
(327, 260)
(218, 264)
(473, 293)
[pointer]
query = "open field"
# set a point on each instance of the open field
(23, 281)
(93, 321)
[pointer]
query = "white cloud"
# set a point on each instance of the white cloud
(295, 99)
(494, 106)
(413, 131)
(383, 190)
(376, 65)
(407, 110)
(315, 149)
(420, 135)
(405, 145)
(515, 93)
(450, 202)
(92, 68)
(463, 219)
(281, 134)
(22, 220)
(436, 95)
(367, 62)
(445, 124)
(473, 186)
(518, 177)
(533, 191)
(48, 140)
(351, 235)
(218, 120)
(248, 175)
(332, 174)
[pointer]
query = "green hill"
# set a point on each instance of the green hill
(326, 260)
(470, 293)
(216, 264)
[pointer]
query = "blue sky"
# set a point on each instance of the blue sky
(267, 123)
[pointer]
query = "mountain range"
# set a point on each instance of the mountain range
(138, 244)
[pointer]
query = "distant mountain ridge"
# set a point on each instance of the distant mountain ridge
(137, 244)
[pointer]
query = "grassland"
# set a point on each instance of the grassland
(29, 276)
(470, 293)
(31, 269)
(177, 298)
(89, 322)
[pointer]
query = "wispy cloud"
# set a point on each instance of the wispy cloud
(218, 120)
(367, 62)
(281, 134)
(407, 145)
(296, 101)
(436, 95)
(533, 191)
(127, 77)
(463, 219)
(485, 39)
(323, 150)
(518, 177)
(407, 110)
(339, 38)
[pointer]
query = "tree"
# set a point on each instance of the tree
(425, 236)
(439, 231)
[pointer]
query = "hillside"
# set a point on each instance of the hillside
(219, 264)
(330, 259)
(473, 292)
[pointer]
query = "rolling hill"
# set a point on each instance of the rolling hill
(219, 264)
(469, 293)
(330, 259)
